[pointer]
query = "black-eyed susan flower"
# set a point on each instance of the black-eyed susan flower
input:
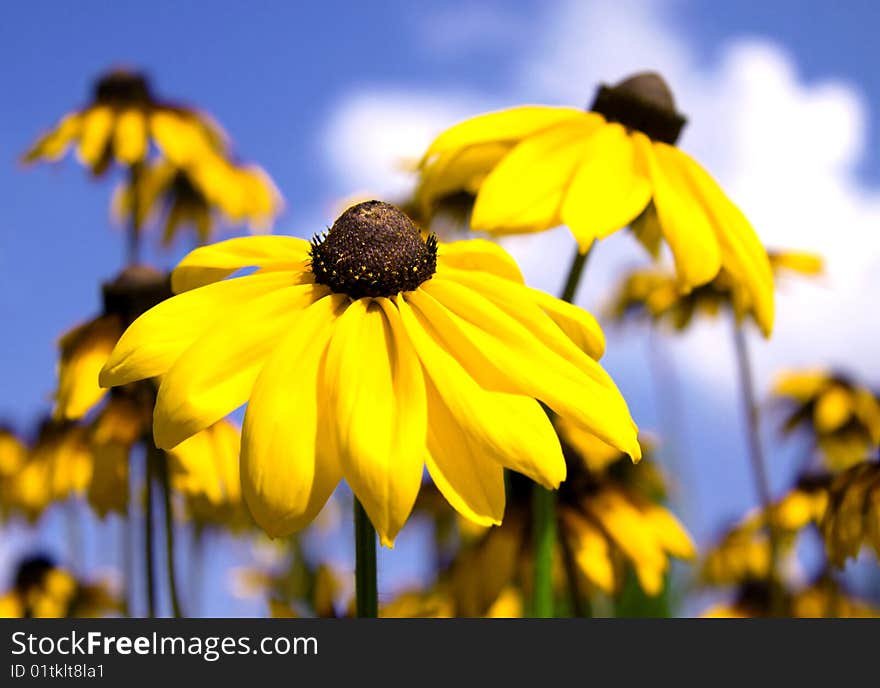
(121, 122)
(610, 521)
(367, 355)
(823, 598)
(13, 454)
(43, 590)
(841, 415)
(532, 168)
(58, 466)
(202, 197)
(654, 295)
(852, 519)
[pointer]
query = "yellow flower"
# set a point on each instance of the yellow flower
(743, 553)
(367, 355)
(121, 122)
(45, 591)
(853, 516)
(825, 598)
(532, 168)
(609, 521)
(202, 196)
(57, 467)
(655, 295)
(840, 414)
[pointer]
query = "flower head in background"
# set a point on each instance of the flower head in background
(533, 168)
(368, 354)
(853, 516)
(653, 295)
(839, 414)
(201, 197)
(121, 122)
(43, 590)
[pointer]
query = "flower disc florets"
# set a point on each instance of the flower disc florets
(373, 249)
(122, 88)
(644, 102)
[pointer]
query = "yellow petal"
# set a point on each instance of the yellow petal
(527, 187)
(84, 351)
(510, 429)
(376, 396)
(801, 385)
(288, 467)
(833, 408)
(215, 375)
(742, 253)
(669, 531)
(590, 550)
(505, 125)
(459, 170)
(481, 255)
(686, 227)
(212, 263)
(610, 188)
(182, 139)
(153, 342)
(130, 139)
(97, 126)
(54, 144)
(562, 327)
(469, 480)
(503, 356)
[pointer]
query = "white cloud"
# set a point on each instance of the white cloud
(786, 151)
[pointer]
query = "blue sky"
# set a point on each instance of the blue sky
(299, 86)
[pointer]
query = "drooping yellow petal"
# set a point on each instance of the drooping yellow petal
(609, 189)
(669, 531)
(686, 227)
(526, 189)
(376, 397)
(510, 429)
(84, 351)
(505, 125)
(742, 254)
(181, 138)
(288, 466)
(459, 170)
(54, 144)
(214, 262)
(481, 255)
(97, 126)
(833, 408)
(130, 136)
(153, 342)
(503, 356)
(469, 480)
(590, 550)
(801, 385)
(562, 327)
(215, 375)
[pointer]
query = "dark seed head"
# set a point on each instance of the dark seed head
(373, 249)
(121, 88)
(644, 102)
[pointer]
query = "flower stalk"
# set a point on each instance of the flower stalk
(366, 581)
(162, 467)
(544, 500)
(148, 535)
(756, 457)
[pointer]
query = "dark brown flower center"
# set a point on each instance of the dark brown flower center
(643, 102)
(373, 249)
(121, 88)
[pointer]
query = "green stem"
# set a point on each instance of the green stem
(757, 459)
(148, 536)
(162, 465)
(543, 500)
(366, 582)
